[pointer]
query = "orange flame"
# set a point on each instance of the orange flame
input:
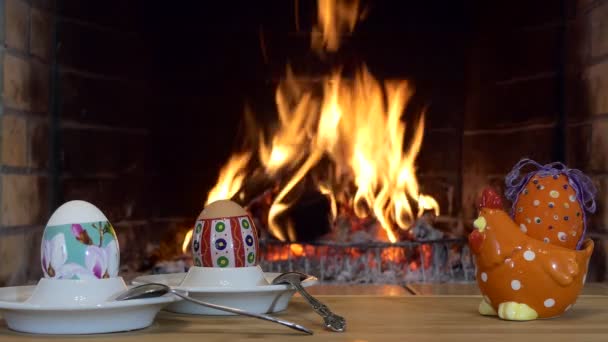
(231, 178)
(354, 122)
(186, 242)
(334, 18)
(367, 141)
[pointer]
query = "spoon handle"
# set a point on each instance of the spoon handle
(332, 321)
(244, 313)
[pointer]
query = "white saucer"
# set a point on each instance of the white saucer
(256, 299)
(111, 316)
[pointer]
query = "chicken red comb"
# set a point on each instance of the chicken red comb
(490, 199)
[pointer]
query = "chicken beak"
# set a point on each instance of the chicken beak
(480, 223)
(476, 237)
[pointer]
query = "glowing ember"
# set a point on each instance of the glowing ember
(354, 122)
(297, 249)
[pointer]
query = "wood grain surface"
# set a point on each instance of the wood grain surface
(459, 289)
(370, 318)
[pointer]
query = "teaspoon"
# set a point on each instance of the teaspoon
(151, 290)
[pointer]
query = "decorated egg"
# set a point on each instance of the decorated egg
(224, 236)
(79, 243)
(549, 203)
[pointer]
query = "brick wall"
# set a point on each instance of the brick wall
(104, 107)
(513, 100)
(593, 126)
(78, 133)
(26, 34)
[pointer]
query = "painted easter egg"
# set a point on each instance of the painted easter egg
(79, 243)
(551, 202)
(548, 210)
(225, 236)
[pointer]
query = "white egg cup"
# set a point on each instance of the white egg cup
(75, 292)
(229, 277)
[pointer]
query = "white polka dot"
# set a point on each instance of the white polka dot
(529, 255)
(566, 205)
(562, 236)
(484, 276)
(554, 194)
(515, 285)
(555, 217)
(572, 198)
(536, 203)
(549, 302)
(546, 240)
(523, 228)
(573, 233)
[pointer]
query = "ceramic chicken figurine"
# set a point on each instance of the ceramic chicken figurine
(520, 277)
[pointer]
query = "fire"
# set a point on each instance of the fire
(186, 242)
(353, 121)
(230, 179)
(296, 249)
(335, 17)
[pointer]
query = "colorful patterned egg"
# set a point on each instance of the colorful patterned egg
(551, 202)
(225, 236)
(548, 210)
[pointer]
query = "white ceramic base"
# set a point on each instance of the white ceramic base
(233, 277)
(105, 317)
(256, 299)
(75, 292)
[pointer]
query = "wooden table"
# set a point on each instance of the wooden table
(376, 313)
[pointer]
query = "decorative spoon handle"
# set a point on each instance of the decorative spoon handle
(244, 313)
(332, 321)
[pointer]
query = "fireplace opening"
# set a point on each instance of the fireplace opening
(358, 138)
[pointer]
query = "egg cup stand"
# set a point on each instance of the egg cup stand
(247, 288)
(62, 306)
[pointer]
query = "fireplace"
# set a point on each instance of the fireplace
(138, 106)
